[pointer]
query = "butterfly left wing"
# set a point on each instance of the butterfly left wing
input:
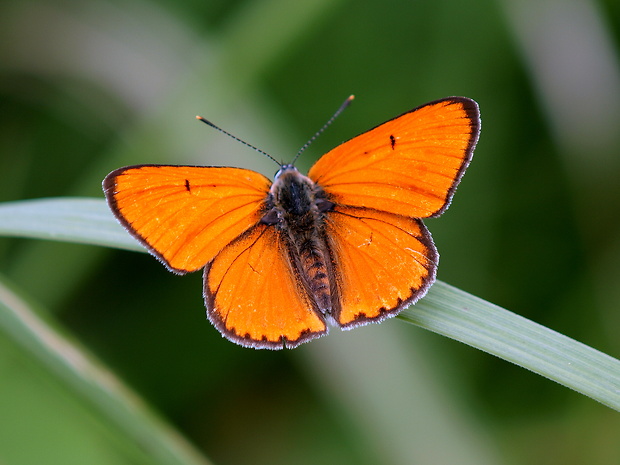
(385, 262)
(185, 215)
(409, 165)
(254, 295)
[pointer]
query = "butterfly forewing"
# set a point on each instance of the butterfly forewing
(184, 214)
(254, 295)
(409, 165)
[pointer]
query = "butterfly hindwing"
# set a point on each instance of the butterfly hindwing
(186, 214)
(254, 295)
(409, 165)
(384, 262)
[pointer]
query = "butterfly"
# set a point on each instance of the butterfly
(343, 246)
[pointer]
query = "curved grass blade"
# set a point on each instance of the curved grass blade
(93, 382)
(71, 219)
(445, 310)
(461, 316)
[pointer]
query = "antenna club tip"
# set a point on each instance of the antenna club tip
(206, 121)
(350, 98)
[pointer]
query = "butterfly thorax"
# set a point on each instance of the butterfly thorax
(296, 208)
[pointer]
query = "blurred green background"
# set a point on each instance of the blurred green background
(87, 86)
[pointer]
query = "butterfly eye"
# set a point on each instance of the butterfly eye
(270, 218)
(324, 205)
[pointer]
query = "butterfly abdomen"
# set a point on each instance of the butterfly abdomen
(299, 218)
(314, 269)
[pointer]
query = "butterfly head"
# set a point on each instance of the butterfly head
(285, 169)
(291, 191)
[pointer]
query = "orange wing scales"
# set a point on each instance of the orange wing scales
(254, 296)
(409, 165)
(385, 262)
(187, 214)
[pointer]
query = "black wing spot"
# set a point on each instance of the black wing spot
(392, 141)
(187, 185)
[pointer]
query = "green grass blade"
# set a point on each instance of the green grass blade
(446, 310)
(92, 382)
(71, 219)
(461, 316)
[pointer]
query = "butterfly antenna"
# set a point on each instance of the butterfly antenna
(206, 121)
(344, 105)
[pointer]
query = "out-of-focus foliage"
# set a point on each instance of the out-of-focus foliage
(88, 86)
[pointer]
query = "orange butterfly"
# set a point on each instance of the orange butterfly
(344, 245)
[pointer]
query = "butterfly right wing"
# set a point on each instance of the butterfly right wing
(380, 184)
(254, 295)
